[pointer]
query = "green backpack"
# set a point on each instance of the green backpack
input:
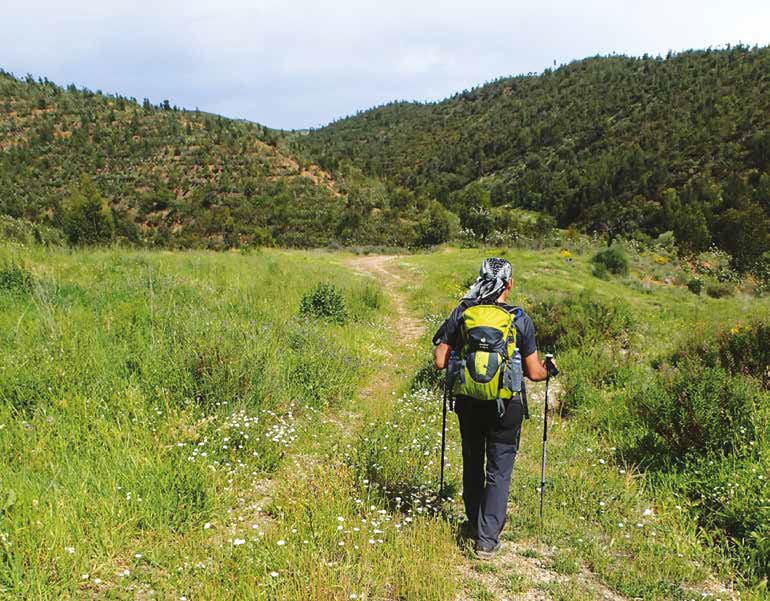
(488, 363)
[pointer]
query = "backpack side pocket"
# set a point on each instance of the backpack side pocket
(514, 372)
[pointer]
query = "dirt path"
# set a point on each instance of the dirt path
(383, 269)
(406, 327)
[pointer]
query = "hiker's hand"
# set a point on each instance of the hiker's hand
(549, 364)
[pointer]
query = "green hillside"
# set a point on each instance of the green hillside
(630, 147)
(101, 167)
(612, 144)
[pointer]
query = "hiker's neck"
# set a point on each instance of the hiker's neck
(504, 296)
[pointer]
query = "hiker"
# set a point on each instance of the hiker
(485, 379)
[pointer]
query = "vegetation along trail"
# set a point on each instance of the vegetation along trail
(607, 533)
(238, 438)
(523, 569)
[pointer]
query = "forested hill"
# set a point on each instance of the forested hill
(614, 144)
(99, 167)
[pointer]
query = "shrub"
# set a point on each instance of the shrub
(15, 279)
(436, 226)
(719, 289)
(87, 217)
(642, 287)
(613, 258)
(694, 408)
(695, 285)
(25, 232)
(587, 372)
(599, 270)
(325, 302)
(732, 502)
(428, 377)
(743, 349)
(667, 241)
(579, 321)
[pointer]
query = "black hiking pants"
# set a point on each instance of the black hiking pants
(486, 435)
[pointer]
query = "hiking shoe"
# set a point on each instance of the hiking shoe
(486, 551)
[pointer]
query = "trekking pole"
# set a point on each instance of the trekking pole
(443, 439)
(550, 371)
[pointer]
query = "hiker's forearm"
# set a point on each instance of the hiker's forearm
(534, 368)
(440, 355)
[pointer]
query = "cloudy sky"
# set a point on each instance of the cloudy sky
(297, 64)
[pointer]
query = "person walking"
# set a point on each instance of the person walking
(487, 345)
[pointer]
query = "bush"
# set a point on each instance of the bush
(719, 289)
(325, 302)
(613, 258)
(667, 242)
(587, 372)
(436, 226)
(695, 409)
(700, 421)
(15, 279)
(743, 349)
(599, 270)
(579, 321)
(87, 217)
(695, 285)
(25, 232)
(428, 377)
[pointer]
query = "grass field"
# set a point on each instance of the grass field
(173, 426)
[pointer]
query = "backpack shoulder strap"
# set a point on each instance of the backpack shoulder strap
(464, 304)
(515, 311)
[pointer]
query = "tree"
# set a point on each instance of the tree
(436, 225)
(686, 221)
(744, 231)
(87, 218)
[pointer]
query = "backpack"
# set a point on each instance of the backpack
(487, 365)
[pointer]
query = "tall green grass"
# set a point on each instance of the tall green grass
(142, 393)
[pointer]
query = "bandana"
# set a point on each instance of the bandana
(494, 276)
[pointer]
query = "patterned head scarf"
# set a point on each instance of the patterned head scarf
(494, 276)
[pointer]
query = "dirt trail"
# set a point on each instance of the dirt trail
(382, 268)
(406, 326)
(529, 564)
